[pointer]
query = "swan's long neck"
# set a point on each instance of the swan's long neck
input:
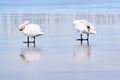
(22, 27)
(90, 30)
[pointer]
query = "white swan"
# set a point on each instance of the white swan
(84, 27)
(30, 30)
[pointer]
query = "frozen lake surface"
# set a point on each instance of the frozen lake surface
(57, 55)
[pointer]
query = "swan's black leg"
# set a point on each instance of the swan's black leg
(88, 37)
(27, 39)
(34, 39)
(81, 37)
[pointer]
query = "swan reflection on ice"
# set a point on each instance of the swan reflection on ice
(31, 54)
(81, 52)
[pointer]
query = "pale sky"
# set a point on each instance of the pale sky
(14, 3)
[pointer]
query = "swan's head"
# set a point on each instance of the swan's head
(22, 26)
(88, 28)
(91, 28)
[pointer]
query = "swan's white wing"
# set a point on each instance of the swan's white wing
(33, 27)
(32, 30)
(80, 27)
